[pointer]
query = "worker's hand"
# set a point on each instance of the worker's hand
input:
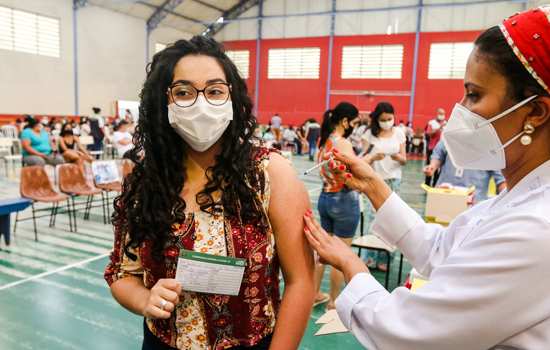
(163, 298)
(429, 170)
(331, 249)
(351, 170)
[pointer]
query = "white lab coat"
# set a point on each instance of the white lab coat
(489, 277)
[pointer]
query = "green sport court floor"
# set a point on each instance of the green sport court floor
(53, 296)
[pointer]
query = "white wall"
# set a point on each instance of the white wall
(39, 84)
(111, 61)
(111, 58)
(165, 35)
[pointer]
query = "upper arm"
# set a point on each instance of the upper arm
(288, 203)
(439, 151)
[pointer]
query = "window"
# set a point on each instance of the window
(28, 32)
(372, 62)
(159, 47)
(448, 60)
(241, 58)
(295, 63)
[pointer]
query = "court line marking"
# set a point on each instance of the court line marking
(52, 272)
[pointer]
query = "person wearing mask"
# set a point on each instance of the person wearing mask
(313, 132)
(450, 175)
(300, 141)
(200, 185)
(122, 139)
(338, 205)
(70, 148)
(477, 264)
(276, 123)
(356, 137)
(387, 156)
(37, 145)
(434, 131)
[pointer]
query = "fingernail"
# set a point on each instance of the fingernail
(310, 211)
(342, 167)
(349, 176)
(335, 151)
(306, 229)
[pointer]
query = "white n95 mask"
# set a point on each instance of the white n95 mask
(472, 141)
(202, 124)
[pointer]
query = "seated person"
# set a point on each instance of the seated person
(70, 147)
(122, 139)
(460, 177)
(37, 145)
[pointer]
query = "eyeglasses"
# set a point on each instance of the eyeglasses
(185, 95)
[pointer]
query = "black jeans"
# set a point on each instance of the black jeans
(151, 342)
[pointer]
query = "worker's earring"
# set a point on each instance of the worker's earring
(528, 130)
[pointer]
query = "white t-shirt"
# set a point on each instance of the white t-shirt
(121, 149)
(387, 167)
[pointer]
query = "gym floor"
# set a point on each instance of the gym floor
(53, 295)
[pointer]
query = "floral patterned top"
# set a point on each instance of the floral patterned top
(209, 321)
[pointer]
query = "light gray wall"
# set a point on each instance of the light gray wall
(111, 61)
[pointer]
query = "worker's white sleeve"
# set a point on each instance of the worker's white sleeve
(424, 245)
(472, 300)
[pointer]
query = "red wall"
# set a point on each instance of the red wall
(296, 100)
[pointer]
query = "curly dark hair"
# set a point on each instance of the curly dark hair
(150, 202)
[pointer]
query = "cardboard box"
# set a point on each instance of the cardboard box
(445, 204)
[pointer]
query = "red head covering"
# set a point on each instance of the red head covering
(528, 34)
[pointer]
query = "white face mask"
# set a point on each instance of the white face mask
(202, 124)
(441, 117)
(387, 125)
(472, 141)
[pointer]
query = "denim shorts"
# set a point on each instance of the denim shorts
(339, 212)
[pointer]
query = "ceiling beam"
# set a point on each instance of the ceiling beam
(161, 12)
(234, 12)
(179, 15)
(204, 3)
(79, 4)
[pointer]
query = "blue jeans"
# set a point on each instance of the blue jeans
(376, 256)
(339, 212)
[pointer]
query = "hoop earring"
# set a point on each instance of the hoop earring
(528, 130)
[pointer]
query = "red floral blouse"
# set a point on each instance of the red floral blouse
(208, 321)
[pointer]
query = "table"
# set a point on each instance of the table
(8, 206)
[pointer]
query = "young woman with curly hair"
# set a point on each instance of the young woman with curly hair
(200, 183)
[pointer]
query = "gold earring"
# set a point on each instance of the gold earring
(528, 130)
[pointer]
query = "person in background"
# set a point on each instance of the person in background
(357, 137)
(338, 205)
(70, 148)
(276, 123)
(122, 139)
(434, 131)
(200, 185)
(462, 177)
(268, 137)
(387, 156)
(313, 132)
(37, 145)
(75, 128)
(97, 116)
(85, 129)
(300, 141)
(290, 137)
(98, 135)
(409, 132)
